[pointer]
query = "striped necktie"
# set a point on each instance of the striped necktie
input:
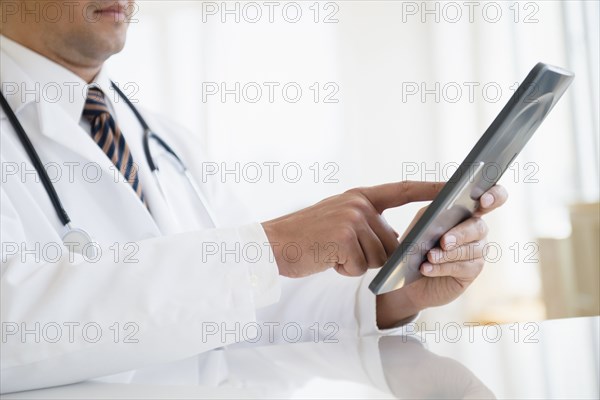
(108, 136)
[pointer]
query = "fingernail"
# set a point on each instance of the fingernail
(487, 200)
(450, 241)
(427, 268)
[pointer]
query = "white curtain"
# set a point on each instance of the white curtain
(404, 90)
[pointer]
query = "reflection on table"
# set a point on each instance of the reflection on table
(552, 359)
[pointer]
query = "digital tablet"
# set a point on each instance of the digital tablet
(483, 167)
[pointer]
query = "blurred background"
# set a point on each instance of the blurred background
(310, 98)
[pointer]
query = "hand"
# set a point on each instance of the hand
(448, 270)
(345, 232)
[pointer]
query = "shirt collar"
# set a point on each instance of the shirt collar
(50, 82)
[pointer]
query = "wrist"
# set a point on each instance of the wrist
(272, 237)
(394, 308)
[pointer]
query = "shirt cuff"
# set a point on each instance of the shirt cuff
(366, 311)
(263, 273)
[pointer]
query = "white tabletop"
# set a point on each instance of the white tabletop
(551, 359)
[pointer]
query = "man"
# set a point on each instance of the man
(152, 294)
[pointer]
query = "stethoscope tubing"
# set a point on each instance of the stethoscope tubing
(148, 135)
(37, 163)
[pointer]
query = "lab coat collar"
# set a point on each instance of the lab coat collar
(103, 82)
(58, 118)
(43, 81)
(32, 80)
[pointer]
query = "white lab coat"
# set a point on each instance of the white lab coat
(160, 287)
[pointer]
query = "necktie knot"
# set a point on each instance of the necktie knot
(95, 105)
(108, 136)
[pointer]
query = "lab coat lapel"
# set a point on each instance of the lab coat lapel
(56, 125)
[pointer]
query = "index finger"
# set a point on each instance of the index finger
(396, 194)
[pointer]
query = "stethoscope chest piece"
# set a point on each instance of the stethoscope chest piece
(79, 241)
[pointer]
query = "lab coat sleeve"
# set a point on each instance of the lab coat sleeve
(322, 307)
(321, 304)
(165, 298)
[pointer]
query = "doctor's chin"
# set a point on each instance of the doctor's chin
(294, 199)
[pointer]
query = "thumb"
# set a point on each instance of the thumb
(396, 194)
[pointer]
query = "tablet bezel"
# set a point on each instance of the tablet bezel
(543, 87)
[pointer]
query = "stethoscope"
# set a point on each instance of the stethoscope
(78, 240)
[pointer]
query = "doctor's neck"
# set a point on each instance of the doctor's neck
(85, 70)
